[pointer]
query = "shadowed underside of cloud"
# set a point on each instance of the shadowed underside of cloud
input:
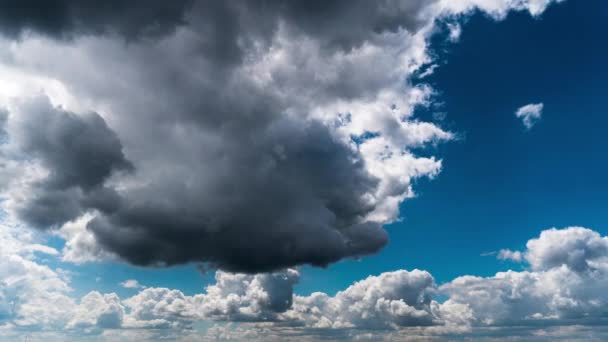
(252, 136)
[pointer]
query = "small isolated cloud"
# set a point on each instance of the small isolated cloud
(507, 254)
(455, 31)
(131, 284)
(530, 114)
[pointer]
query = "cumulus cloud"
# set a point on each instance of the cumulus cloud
(68, 18)
(530, 114)
(579, 248)
(249, 147)
(35, 297)
(563, 290)
(562, 293)
(70, 157)
(233, 298)
(97, 311)
(249, 136)
(564, 286)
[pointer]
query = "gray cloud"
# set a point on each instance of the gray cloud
(237, 118)
(296, 184)
(79, 153)
(69, 18)
(233, 169)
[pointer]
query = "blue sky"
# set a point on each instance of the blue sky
(500, 185)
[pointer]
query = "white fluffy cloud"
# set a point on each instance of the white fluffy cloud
(569, 269)
(565, 287)
(35, 297)
(530, 114)
(390, 300)
(579, 248)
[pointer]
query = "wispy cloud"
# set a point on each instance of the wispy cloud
(131, 284)
(530, 114)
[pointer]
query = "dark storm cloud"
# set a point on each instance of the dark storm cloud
(230, 171)
(69, 18)
(78, 152)
(296, 196)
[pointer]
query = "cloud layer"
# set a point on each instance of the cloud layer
(562, 291)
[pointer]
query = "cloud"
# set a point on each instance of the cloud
(530, 114)
(234, 297)
(562, 294)
(579, 248)
(131, 284)
(80, 244)
(237, 139)
(252, 138)
(69, 18)
(564, 287)
(558, 292)
(77, 154)
(35, 297)
(388, 301)
(97, 311)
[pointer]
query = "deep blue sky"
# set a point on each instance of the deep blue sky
(500, 184)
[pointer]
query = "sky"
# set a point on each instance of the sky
(391, 170)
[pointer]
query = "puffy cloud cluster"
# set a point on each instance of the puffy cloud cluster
(390, 300)
(563, 293)
(558, 291)
(569, 270)
(36, 297)
(68, 18)
(233, 297)
(579, 248)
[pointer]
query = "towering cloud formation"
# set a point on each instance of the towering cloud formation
(250, 135)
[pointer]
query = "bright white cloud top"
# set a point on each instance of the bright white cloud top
(530, 114)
